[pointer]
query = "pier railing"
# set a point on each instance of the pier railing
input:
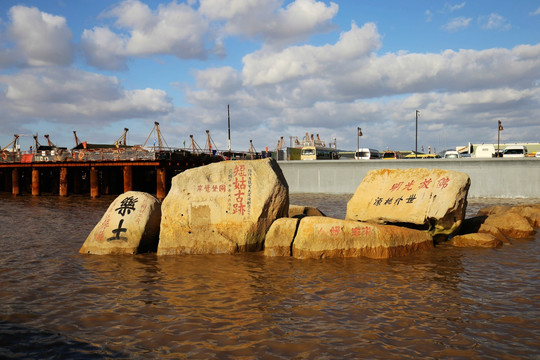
(87, 155)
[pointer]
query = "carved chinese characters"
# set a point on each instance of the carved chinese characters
(225, 207)
(434, 199)
(322, 237)
(130, 225)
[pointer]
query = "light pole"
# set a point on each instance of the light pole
(499, 129)
(358, 139)
(416, 138)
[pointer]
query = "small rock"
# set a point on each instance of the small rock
(476, 240)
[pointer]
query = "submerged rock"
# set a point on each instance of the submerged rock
(130, 226)
(476, 240)
(225, 207)
(430, 199)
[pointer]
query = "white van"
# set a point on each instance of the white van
(366, 154)
(515, 151)
(484, 151)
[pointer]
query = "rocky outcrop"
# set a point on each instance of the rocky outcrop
(130, 226)
(511, 224)
(225, 207)
(323, 237)
(280, 237)
(529, 211)
(431, 199)
(299, 211)
(476, 240)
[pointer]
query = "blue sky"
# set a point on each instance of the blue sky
(285, 68)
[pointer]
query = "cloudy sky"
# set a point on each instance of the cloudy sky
(284, 67)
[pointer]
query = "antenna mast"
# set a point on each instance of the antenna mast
(229, 128)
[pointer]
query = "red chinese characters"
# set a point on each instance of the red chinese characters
(239, 183)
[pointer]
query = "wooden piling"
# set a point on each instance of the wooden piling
(63, 190)
(128, 178)
(35, 182)
(161, 182)
(15, 186)
(94, 182)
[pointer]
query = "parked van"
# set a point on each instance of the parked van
(484, 151)
(515, 151)
(366, 154)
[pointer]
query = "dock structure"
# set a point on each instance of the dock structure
(97, 172)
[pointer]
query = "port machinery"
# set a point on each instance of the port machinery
(97, 168)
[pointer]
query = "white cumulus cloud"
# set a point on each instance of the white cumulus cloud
(36, 39)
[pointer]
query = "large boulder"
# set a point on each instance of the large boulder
(323, 237)
(130, 226)
(225, 207)
(430, 199)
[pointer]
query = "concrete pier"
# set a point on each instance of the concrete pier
(493, 178)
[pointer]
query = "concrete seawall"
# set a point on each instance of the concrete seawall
(494, 178)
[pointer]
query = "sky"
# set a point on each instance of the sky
(284, 68)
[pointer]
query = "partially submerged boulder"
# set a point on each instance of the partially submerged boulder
(323, 237)
(225, 207)
(476, 225)
(511, 224)
(529, 211)
(299, 211)
(476, 240)
(130, 226)
(280, 236)
(431, 199)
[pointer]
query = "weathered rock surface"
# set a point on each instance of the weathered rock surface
(299, 211)
(511, 224)
(225, 207)
(430, 199)
(280, 237)
(530, 211)
(476, 225)
(130, 226)
(476, 240)
(323, 237)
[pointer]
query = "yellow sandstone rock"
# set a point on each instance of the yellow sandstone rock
(280, 237)
(476, 240)
(130, 226)
(430, 199)
(225, 207)
(323, 237)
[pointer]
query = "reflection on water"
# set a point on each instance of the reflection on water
(441, 303)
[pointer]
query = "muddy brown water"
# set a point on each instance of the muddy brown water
(442, 303)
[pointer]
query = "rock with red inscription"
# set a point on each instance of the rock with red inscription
(430, 199)
(130, 226)
(222, 208)
(299, 211)
(280, 236)
(324, 237)
(476, 240)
